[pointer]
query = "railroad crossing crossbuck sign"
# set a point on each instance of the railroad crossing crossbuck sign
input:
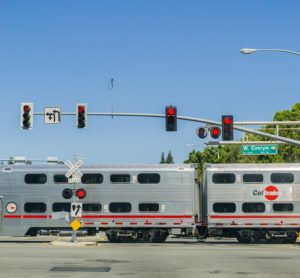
(76, 210)
(74, 175)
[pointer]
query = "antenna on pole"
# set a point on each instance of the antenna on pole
(111, 88)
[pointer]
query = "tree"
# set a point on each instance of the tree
(162, 158)
(169, 159)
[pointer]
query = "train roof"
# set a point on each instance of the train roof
(100, 167)
(253, 167)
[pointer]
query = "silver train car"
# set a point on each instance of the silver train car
(251, 202)
(138, 201)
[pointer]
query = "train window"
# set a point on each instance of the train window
(60, 179)
(283, 207)
(92, 178)
(92, 207)
(253, 178)
(61, 207)
(120, 178)
(35, 207)
(282, 178)
(148, 178)
(35, 178)
(224, 207)
(253, 207)
(223, 178)
(119, 207)
(149, 207)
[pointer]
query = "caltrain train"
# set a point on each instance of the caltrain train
(250, 202)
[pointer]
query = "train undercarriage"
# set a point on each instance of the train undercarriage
(255, 235)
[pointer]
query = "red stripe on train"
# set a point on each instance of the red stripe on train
(253, 216)
(137, 216)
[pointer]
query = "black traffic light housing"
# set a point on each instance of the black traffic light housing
(202, 132)
(81, 115)
(227, 127)
(26, 115)
(171, 118)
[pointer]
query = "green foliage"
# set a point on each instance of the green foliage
(162, 158)
(232, 153)
(169, 159)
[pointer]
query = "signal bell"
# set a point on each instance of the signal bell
(227, 127)
(171, 118)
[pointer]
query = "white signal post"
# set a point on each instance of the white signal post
(74, 177)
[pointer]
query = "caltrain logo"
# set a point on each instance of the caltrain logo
(271, 193)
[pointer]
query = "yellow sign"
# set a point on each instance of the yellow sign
(75, 225)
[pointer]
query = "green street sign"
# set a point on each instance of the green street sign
(260, 149)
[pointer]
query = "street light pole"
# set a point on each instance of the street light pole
(252, 50)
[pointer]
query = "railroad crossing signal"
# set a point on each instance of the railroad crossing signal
(171, 118)
(81, 115)
(227, 127)
(26, 115)
(74, 175)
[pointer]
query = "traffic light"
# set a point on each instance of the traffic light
(215, 132)
(67, 193)
(81, 115)
(227, 127)
(202, 132)
(171, 118)
(80, 193)
(26, 115)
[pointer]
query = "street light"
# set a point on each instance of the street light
(252, 50)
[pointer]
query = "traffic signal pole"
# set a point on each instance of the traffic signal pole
(236, 126)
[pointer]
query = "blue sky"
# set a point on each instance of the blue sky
(184, 53)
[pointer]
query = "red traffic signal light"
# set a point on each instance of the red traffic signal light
(227, 127)
(171, 118)
(80, 193)
(202, 132)
(67, 193)
(81, 115)
(26, 115)
(215, 132)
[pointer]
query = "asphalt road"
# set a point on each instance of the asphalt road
(187, 258)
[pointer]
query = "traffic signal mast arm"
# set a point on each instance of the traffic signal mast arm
(209, 122)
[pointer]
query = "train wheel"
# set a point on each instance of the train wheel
(255, 237)
(157, 236)
(291, 238)
(113, 238)
(243, 236)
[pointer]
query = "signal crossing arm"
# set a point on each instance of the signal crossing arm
(209, 122)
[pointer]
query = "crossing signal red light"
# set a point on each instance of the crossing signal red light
(227, 127)
(81, 115)
(202, 132)
(215, 132)
(67, 193)
(171, 118)
(26, 115)
(80, 193)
